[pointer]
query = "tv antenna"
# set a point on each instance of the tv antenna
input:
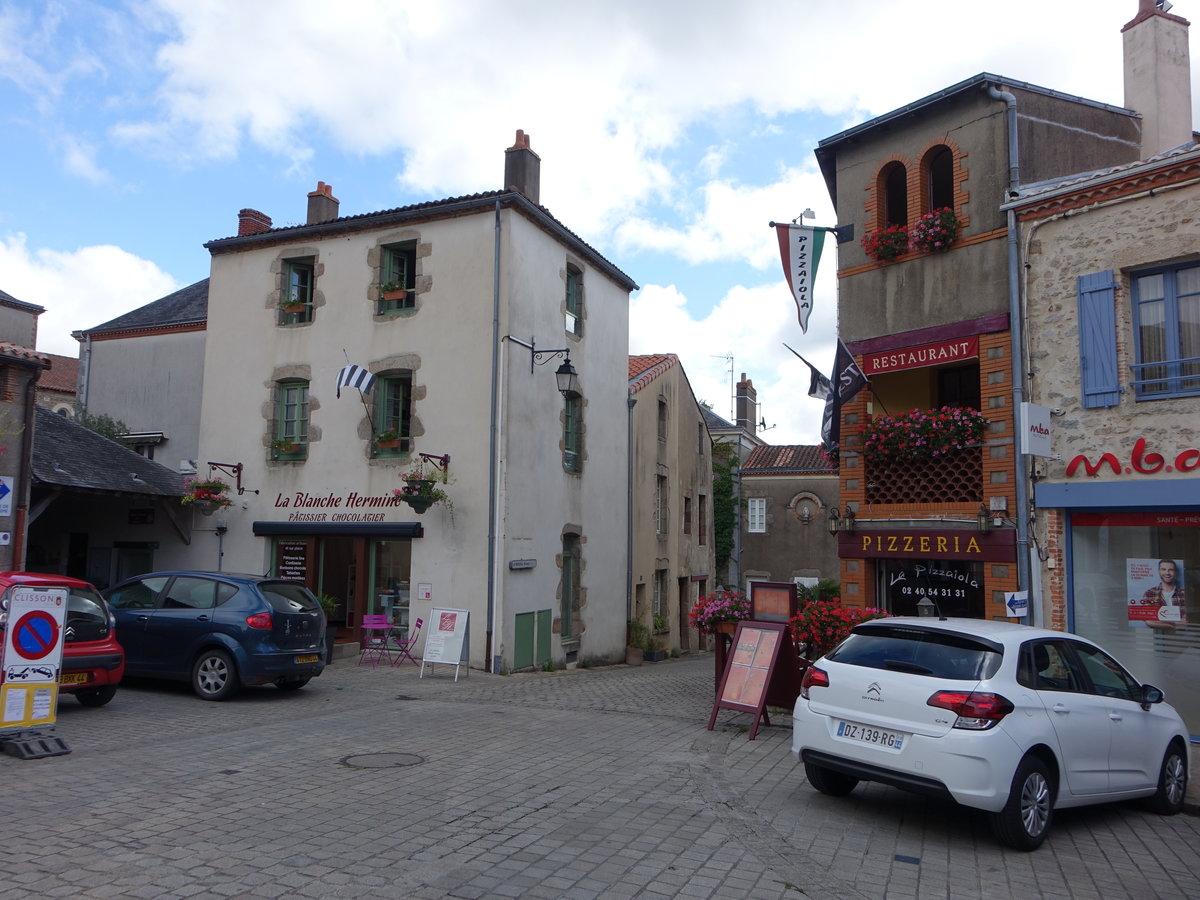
(728, 357)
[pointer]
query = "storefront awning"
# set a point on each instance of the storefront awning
(363, 529)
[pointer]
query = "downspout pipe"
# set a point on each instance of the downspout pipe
(21, 524)
(1017, 349)
(630, 402)
(493, 444)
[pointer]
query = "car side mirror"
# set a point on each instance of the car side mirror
(1150, 694)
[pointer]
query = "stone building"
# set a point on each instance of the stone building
(1112, 307)
(672, 520)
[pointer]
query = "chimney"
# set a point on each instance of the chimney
(1158, 77)
(251, 221)
(322, 205)
(746, 404)
(523, 169)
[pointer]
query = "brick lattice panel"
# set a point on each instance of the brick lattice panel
(953, 478)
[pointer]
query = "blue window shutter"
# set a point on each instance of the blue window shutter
(1098, 340)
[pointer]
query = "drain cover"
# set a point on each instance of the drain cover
(381, 760)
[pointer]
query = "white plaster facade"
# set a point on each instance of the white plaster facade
(456, 345)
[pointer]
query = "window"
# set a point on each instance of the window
(660, 593)
(1166, 305)
(701, 434)
(574, 301)
(894, 194)
(687, 515)
(662, 419)
(660, 504)
(398, 279)
(570, 584)
(756, 515)
(393, 414)
(296, 301)
(702, 514)
(939, 178)
(291, 415)
(572, 433)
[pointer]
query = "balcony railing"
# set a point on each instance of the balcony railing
(954, 477)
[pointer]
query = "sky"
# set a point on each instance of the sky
(671, 134)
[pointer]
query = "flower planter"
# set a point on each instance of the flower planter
(418, 503)
(726, 628)
(654, 655)
(205, 507)
(292, 308)
(393, 444)
(394, 295)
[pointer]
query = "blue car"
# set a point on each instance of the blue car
(219, 631)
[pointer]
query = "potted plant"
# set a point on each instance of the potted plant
(421, 492)
(206, 494)
(820, 625)
(329, 605)
(392, 290)
(719, 611)
(934, 231)
(285, 445)
(388, 439)
(886, 244)
(922, 434)
(290, 303)
(637, 643)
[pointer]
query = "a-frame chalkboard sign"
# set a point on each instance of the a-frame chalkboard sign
(748, 671)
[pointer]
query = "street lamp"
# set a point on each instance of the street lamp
(835, 518)
(565, 375)
(926, 608)
(983, 519)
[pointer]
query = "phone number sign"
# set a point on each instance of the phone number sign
(32, 657)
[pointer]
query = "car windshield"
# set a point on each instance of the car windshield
(920, 651)
(289, 597)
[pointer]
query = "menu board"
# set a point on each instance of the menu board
(772, 601)
(748, 670)
(291, 559)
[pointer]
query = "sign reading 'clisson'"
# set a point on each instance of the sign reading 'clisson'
(919, 357)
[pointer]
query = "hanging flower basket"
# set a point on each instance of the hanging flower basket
(206, 495)
(935, 231)
(420, 492)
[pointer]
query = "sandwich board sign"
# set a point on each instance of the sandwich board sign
(748, 671)
(32, 657)
(447, 639)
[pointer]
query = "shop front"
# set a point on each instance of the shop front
(366, 567)
(963, 572)
(1132, 561)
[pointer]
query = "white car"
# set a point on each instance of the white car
(1012, 720)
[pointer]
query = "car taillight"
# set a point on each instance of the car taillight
(976, 710)
(813, 677)
(260, 620)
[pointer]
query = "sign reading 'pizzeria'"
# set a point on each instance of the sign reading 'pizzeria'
(919, 357)
(996, 546)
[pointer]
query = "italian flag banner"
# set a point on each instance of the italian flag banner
(800, 249)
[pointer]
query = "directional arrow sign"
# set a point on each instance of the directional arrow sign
(1017, 603)
(6, 495)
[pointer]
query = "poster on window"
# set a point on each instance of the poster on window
(1155, 588)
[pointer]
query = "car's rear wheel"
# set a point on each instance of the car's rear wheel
(827, 781)
(96, 696)
(1172, 783)
(214, 676)
(292, 684)
(1026, 817)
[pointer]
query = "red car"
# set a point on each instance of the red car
(93, 662)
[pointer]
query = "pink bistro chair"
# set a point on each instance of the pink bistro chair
(403, 645)
(375, 631)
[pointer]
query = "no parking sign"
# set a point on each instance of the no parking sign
(32, 656)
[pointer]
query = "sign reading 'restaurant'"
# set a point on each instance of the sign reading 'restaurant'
(918, 357)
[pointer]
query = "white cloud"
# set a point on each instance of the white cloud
(79, 289)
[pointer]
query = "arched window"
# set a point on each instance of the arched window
(939, 178)
(894, 183)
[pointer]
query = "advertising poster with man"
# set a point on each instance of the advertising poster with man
(1155, 588)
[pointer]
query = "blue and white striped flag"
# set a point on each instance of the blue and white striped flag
(355, 376)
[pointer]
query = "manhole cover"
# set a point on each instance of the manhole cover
(381, 760)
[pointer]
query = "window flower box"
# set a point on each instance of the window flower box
(393, 290)
(935, 231)
(886, 244)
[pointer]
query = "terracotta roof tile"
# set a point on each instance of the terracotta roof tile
(788, 458)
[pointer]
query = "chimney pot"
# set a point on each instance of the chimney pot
(322, 205)
(523, 169)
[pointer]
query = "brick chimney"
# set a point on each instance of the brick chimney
(251, 221)
(1158, 77)
(746, 404)
(523, 169)
(322, 205)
